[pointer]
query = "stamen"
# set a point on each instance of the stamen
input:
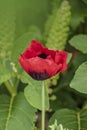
(42, 55)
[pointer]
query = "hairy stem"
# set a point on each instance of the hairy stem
(43, 106)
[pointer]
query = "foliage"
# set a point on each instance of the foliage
(55, 126)
(16, 113)
(71, 119)
(58, 24)
(34, 98)
(80, 42)
(58, 27)
(79, 80)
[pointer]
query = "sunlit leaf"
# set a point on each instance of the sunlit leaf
(79, 42)
(79, 81)
(33, 92)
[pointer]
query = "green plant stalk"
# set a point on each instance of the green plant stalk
(9, 112)
(16, 84)
(43, 106)
(10, 88)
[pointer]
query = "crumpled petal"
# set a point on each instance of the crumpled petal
(41, 63)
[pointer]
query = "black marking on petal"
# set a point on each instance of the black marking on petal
(42, 55)
(39, 75)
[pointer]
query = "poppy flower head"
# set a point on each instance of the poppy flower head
(41, 63)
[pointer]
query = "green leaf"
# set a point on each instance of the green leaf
(69, 57)
(70, 119)
(79, 42)
(85, 1)
(5, 73)
(22, 42)
(33, 92)
(16, 113)
(55, 126)
(79, 81)
(63, 100)
(79, 12)
(79, 60)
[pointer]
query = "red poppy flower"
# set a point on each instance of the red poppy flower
(41, 63)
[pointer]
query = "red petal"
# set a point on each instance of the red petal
(36, 46)
(24, 63)
(35, 64)
(34, 49)
(60, 58)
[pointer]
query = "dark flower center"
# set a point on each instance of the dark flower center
(39, 75)
(42, 55)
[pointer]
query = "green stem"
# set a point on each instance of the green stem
(43, 106)
(16, 84)
(10, 88)
(9, 111)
